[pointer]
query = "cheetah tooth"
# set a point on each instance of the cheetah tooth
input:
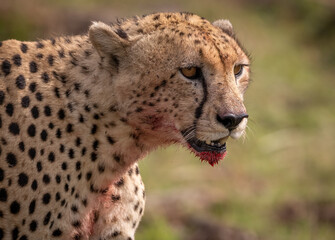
(223, 140)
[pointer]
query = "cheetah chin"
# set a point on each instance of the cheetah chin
(209, 151)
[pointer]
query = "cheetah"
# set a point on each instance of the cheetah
(78, 112)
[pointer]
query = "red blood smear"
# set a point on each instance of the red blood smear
(211, 157)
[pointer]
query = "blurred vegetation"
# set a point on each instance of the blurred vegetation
(278, 183)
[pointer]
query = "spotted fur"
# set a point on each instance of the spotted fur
(77, 113)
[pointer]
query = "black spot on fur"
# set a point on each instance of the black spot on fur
(32, 153)
(23, 179)
(51, 157)
(25, 101)
(61, 114)
(51, 60)
(21, 146)
(46, 198)
(24, 47)
(69, 128)
(95, 145)
(57, 233)
(61, 53)
(32, 206)
(11, 160)
(94, 129)
(117, 158)
(46, 179)
(58, 196)
(2, 97)
(15, 233)
(120, 183)
(64, 166)
(39, 45)
(71, 153)
(47, 111)
(20, 82)
(88, 176)
(56, 90)
(121, 33)
(115, 234)
(35, 112)
(33, 67)
(17, 60)
(74, 208)
(33, 226)
(14, 128)
(34, 185)
(15, 207)
(45, 77)
(44, 135)
(47, 218)
(2, 174)
(115, 197)
(32, 87)
(77, 86)
(39, 166)
(101, 168)
(6, 67)
(110, 140)
(39, 96)
(156, 17)
(78, 166)
(76, 224)
(94, 156)
(31, 130)
(3, 195)
(61, 148)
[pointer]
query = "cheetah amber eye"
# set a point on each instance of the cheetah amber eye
(190, 72)
(238, 69)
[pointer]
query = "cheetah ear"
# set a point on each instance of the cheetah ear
(225, 25)
(110, 42)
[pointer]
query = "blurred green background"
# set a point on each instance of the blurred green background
(279, 182)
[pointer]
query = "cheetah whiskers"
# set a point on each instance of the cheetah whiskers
(189, 133)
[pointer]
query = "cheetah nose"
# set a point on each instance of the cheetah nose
(230, 120)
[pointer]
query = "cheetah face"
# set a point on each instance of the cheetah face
(180, 81)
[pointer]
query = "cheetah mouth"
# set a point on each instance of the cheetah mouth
(218, 146)
(209, 151)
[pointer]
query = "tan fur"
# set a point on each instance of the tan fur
(120, 91)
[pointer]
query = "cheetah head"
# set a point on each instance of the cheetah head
(177, 78)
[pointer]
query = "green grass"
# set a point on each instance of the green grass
(157, 228)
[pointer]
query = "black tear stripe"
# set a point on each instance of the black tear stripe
(198, 111)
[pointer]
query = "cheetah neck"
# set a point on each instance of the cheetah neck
(112, 143)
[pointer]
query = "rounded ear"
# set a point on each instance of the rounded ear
(225, 25)
(110, 42)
